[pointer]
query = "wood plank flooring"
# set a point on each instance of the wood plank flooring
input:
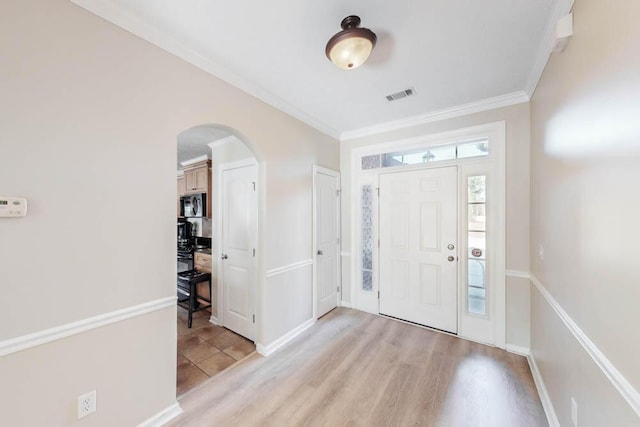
(357, 369)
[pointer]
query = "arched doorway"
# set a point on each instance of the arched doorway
(226, 239)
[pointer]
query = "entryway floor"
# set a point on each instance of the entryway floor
(357, 369)
(205, 350)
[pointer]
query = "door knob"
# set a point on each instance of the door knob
(225, 256)
(450, 258)
(320, 252)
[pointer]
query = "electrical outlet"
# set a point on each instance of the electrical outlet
(574, 412)
(86, 404)
(541, 252)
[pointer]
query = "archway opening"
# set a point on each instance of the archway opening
(219, 234)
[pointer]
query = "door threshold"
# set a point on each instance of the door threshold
(453, 334)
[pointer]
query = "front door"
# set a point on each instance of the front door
(327, 229)
(239, 237)
(418, 247)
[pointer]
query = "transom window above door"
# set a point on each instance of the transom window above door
(436, 153)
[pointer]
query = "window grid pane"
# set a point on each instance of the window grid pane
(477, 244)
(367, 237)
(416, 156)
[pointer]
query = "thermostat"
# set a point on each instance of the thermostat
(12, 207)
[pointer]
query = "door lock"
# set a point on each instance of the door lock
(320, 252)
(225, 256)
(450, 246)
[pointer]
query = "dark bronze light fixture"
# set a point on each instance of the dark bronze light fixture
(351, 47)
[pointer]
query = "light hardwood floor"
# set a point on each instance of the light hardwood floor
(357, 369)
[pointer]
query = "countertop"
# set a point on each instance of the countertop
(204, 251)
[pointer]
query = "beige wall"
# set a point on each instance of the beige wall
(88, 124)
(585, 204)
(517, 172)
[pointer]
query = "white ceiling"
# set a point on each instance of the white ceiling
(453, 52)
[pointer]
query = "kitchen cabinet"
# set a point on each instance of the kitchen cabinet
(202, 262)
(181, 190)
(197, 179)
(182, 186)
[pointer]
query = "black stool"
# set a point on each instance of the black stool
(187, 286)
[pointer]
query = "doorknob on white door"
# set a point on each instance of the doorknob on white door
(320, 252)
(450, 258)
(225, 256)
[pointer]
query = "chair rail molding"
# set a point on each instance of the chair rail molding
(289, 267)
(13, 345)
(628, 392)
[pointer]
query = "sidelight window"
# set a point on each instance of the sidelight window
(367, 237)
(477, 245)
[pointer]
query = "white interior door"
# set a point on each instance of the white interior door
(239, 237)
(327, 233)
(418, 247)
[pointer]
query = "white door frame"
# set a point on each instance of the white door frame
(495, 164)
(319, 169)
(218, 237)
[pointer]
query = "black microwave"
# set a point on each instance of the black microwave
(193, 205)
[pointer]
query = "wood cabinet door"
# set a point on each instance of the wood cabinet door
(201, 179)
(190, 181)
(182, 186)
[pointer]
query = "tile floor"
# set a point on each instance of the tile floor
(206, 349)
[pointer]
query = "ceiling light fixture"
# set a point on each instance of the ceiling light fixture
(351, 47)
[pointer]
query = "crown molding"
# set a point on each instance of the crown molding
(195, 160)
(127, 21)
(222, 141)
(434, 116)
(545, 48)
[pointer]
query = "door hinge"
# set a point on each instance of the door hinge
(338, 192)
(254, 252)
(254, 185)
(378, 243)
(254, 318)
(378, 190)
(337, 288)
(378, 294)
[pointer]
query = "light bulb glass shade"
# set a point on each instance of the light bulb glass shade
(351, 52)
(351, 47)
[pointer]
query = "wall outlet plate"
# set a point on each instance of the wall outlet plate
(86, 404)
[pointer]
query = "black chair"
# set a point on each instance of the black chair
(188, 288)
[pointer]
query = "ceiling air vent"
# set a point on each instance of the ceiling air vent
(401, 94)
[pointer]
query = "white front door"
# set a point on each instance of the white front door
(239, 237)
(418, 247)
(327, 240)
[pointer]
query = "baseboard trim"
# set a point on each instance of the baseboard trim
(213, 319)
(552, 418)
(290, 267)
(628, 392)
(519, 350)
(345, 304)
(266, 350)
(24, 342)
(162, 417)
